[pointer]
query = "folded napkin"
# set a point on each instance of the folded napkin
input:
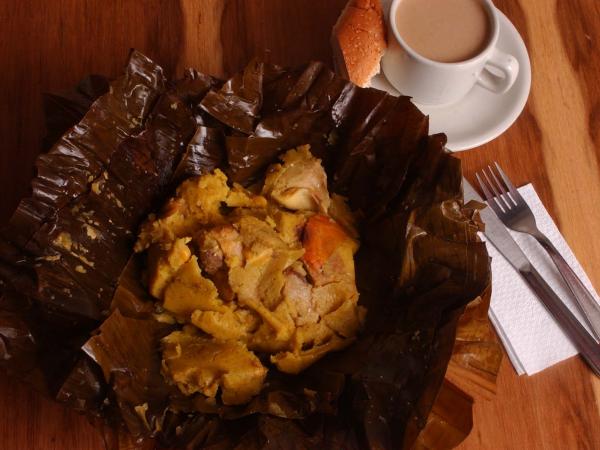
(533, 340)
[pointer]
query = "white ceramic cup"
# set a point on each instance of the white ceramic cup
(431, 82)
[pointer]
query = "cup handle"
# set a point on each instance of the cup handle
(501, 62)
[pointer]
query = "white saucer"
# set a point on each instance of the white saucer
(482, 115)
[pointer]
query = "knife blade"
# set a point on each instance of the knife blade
(498, 235)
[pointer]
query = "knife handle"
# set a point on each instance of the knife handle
(586, 302)
(581, 339)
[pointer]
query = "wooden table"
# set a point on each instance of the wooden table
(48, 45)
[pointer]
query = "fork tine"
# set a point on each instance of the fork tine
(513, 190)
(489, 197)
(496, 190)
(503, 189)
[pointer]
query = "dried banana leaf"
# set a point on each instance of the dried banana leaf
(68, 252)
(449, 422)
(477, 353)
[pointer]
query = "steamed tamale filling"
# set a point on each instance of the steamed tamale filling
(256, 278)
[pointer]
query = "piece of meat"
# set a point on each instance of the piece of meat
(209, 252)
(221, 280)
(299, 184)
(217, 245)
(298, 292)
(231, 244)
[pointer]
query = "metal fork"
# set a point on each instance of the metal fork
(512, 210)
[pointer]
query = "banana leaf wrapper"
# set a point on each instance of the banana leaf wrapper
(75, 318)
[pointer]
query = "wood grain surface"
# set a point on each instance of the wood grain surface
(48, 45)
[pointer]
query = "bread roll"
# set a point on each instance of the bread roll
(358, 41)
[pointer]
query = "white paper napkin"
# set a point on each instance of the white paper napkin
(530, 335)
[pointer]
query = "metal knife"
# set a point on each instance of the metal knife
(499, 236)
